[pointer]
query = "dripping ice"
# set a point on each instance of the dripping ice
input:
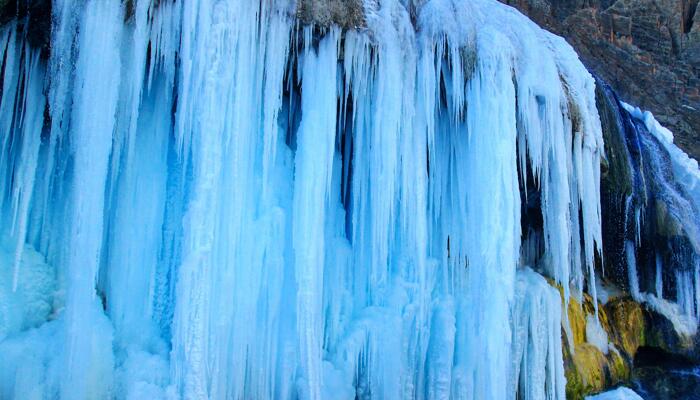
(222, 203)
(658, 245)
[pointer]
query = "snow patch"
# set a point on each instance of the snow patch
(621, 393)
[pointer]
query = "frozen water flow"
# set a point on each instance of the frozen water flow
(204, 199)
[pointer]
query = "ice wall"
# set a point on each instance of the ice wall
(206, 199)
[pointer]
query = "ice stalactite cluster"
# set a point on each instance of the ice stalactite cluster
(218, 202)
(537, 350)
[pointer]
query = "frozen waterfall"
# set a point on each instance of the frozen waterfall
(210, 199)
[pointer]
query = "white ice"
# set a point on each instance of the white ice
(621, 393)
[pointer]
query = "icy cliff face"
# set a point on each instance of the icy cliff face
(653, 249)
(220, 203)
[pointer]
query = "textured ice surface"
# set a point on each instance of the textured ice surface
(537, 339)
(27, 302)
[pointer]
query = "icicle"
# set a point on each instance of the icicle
(441, 350)
(31, 127)
(88, 373)
(22, 106)
(632, 270)
(275, 60)
(684, 293)
(8, 103)
(539, 368)
(313, 164)
(134, 65)
(65, 20)
(202, 47)
(659, 280)
(133, 257)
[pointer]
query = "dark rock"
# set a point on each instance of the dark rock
(661, 335)
(616, 185)
(34, 16)
(655, 383)
(661, 375)
(647, 356)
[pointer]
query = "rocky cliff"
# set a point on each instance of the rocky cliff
(647, 50)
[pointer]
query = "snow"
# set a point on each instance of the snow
(28, 302)
(596, 335)
(683, 323)
(621, 393)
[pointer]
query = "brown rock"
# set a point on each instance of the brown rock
(590, 364)
(627, 325)
(587, 369)
(345, 13)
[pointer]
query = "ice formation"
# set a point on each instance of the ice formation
(206, 199)
(596, 335)
(621, 393)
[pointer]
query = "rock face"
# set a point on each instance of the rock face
(588, 369)
(346, 13)
(642, 347)
(647, 50)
